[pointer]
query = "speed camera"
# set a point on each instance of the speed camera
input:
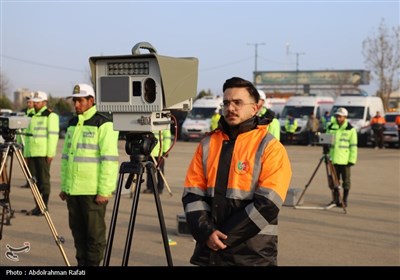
(139, 89)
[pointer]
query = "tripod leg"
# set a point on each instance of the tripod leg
(150, 168)
(132, 219)
(36, 194)
(309, 181)
(336, 187)
(110, 239)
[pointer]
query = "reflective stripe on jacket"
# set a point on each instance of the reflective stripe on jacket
(256, 172)
(344, 149)
(44, 127)
(89, 164)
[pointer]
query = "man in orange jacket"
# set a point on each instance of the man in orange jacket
(378, 125)
(236, 184)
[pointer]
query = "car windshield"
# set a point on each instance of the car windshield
(391, 117)
(297, 111)
(201, 113)
(355, 112)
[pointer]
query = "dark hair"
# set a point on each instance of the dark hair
(236, 82)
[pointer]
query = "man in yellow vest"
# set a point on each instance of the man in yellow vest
(40, 147)
(89, 171)
(273, 124)
(29, 111)
(215, 119)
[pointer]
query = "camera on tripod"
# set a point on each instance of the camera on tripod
(326, 139)
(9, 125)
(139, 89)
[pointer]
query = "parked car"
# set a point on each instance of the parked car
(64, 120)
(391, 132)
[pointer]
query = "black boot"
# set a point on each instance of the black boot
(335, 198)
(34, 212)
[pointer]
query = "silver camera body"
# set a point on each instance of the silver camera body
(326, 139)
(139, 89)
(14, 123)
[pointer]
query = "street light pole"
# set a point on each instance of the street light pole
(256, 53)
(297, 62)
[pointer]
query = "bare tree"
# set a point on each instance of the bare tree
(3, 85)
(382, 55)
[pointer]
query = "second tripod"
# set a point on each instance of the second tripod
(8, 149)
(333, 183)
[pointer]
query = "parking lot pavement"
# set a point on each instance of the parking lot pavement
(368, 235)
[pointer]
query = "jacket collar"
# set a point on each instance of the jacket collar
(234, 131)
(88, 113)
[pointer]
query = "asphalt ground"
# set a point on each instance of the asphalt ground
(368, 235)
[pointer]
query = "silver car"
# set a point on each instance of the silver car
(391, 132)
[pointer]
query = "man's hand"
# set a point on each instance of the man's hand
(63, 196)
(214, 241)
(49, 160)
(101, 199)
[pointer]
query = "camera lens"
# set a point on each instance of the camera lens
(149, 90)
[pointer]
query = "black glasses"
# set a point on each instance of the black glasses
(236, 103)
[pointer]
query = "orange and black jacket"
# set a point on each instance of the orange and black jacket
(236, 183)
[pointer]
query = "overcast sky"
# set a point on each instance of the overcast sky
(46, 45)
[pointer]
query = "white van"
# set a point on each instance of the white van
(198, 120)
(361, 109)
(276, 105)
(301, 107)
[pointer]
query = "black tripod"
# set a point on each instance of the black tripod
(333, 183)
(139, 147)
(8, 149)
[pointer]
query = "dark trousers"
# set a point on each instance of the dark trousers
(290, 136)
(343, 172)
(311, 137)
(40, 169)
(160, 181)
(86, 220)
(378, 138)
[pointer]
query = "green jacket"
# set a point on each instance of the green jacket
(44, 127)
(273, 127)
(166, 142)
(344, 149)
(291, 126)
(21, 137)
(214, 121)
(89, 162)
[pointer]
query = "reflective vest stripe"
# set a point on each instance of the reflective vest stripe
(255, 216)
(88, 146)
(197, 206)
(269, 230)
(206, 148)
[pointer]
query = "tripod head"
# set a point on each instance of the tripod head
(9, 135)
(325, 149)
(139, 145)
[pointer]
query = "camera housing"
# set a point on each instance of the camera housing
(10, 125)
(326, 139)
(139, 89)
(14, 123)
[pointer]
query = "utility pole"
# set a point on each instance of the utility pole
(256, 53)
(297, 63)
